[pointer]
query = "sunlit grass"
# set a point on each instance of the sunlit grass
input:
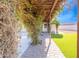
(67, 44)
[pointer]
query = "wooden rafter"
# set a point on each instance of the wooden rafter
(53, 6)
(47, 7)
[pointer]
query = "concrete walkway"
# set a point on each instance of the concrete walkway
(44, 50)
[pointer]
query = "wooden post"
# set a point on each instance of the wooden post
(49, 32)
(78, 33)
(48, 26)
(78, 39)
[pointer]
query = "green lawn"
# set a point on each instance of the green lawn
(68, 44)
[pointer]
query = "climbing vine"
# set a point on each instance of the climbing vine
(31, 18)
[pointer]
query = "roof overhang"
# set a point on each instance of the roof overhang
(48, 7)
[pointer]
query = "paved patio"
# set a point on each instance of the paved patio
(44, 50)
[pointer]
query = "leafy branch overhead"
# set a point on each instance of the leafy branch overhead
(31, 18)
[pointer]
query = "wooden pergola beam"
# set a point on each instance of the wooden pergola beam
(49, 15)
(53, 6)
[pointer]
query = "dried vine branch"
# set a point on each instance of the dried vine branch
(8, 32)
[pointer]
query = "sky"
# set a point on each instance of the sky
(69, 14)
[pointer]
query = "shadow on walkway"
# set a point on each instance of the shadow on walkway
(38, 51)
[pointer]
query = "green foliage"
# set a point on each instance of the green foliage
(59, 36)
(56, 22)
(31, 18)
(57, 12)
